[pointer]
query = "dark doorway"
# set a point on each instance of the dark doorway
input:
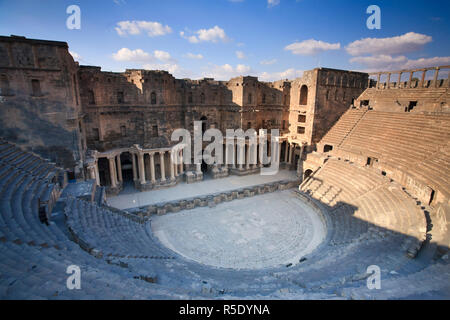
(203, 120)
(127, 166)
(412, 105)
(308, 173)
(103, 170)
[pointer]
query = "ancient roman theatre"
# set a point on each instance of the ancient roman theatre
(91, 177)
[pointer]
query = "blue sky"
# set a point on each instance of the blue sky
(271, 39)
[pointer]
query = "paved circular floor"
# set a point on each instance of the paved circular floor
(252, 233)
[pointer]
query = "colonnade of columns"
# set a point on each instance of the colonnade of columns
(289, 155)
(140, 169)
(246, 156)
(410, 79)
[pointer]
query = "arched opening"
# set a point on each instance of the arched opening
(91, 97)
(202, 98)
(307, 174)
(304, 95)
(127, 167)
(264, 98)
(153, 98)
(190, 99)
(249, 98)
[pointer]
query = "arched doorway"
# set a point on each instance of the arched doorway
(307, 174)
(304, 95)
(127, 167)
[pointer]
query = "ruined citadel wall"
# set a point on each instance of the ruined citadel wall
(422, 90)
(319, 98)
(40, 102)
(145, 107)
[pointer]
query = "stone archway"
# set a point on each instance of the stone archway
(307, 174)
(303, 95)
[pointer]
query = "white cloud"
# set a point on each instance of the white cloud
(215, 34)
(408, 42)
(153, 29)
(140, 56)
(387, 62)
(273, 3)
(76, 56)
(268, 62)
(427, 62)
(287, 74)
(240, 55)
(137, 55)
(162, 55)
(311, 47)
(194, 56)
(226, 71)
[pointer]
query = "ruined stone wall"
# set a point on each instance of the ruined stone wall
(144, 107)
(39, 100)
(336, 92)
(431, 99)
(318, 100)
(302, 112)
(264, 105)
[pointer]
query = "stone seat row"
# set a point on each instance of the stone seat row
(382, 203)
(104, 233)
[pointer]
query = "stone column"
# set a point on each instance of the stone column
(181, 162)
(162, 166)
(112, 171)
(119, 168)
(436, 75)
(278, 151)
(175, 165)
(422, 84)
(97, 174)
(91, 169)
(227, 154)
(260, 155)
(410, 79)
(172, 171)
(234, 155)
(291, 152)
(133, 159)
(199, 168)
(241, 157)
(378, 80)
(388, 80)
(399, 80)
(300, 162)
(247, 161)
(286, 151)
(141, 168)
(152, 167)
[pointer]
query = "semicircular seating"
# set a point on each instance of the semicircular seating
(371, 220)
